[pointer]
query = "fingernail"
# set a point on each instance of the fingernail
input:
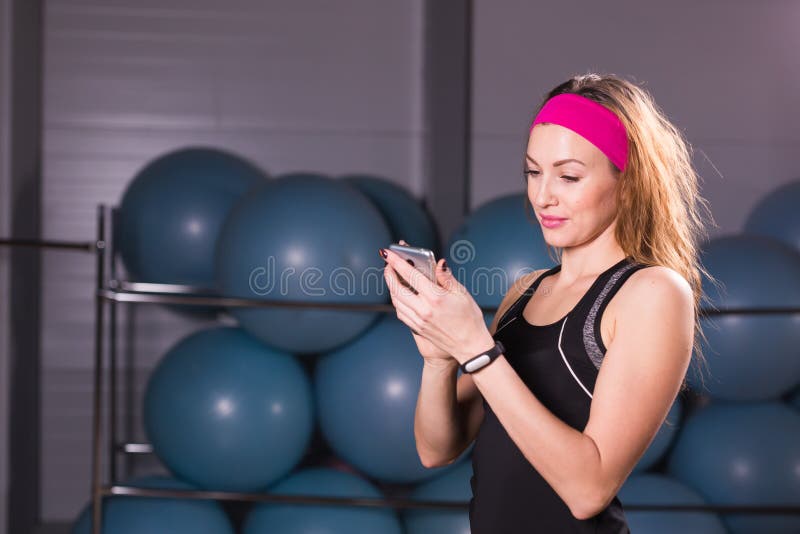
(444, 265)
(382, 253)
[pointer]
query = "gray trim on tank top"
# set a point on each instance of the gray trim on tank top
(589, 339)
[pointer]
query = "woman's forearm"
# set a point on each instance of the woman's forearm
(438, 427)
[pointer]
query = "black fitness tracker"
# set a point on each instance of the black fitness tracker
(483, 359)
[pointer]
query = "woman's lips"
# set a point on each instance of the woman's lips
(552, 222)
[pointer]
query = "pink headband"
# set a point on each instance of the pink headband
(596, 123)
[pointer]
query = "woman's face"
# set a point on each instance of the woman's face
(582, 192)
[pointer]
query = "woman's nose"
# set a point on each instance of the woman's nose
(544, 194)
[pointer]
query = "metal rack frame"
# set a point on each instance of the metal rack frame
(110, 291)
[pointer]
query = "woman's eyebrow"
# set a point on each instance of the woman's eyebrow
(559, 162)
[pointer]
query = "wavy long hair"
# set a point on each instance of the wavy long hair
(662, 219)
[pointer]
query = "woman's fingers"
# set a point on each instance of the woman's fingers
(395, 281)
(411, 276)
(409, 313)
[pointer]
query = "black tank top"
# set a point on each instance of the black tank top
(559, 363)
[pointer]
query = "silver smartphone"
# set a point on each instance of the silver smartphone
(422, 259)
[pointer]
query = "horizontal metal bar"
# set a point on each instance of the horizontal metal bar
(292, 499)
(135, 448)
(716, 508)
(750, 311)
(149, 287)
(232, 302)
(418, 504)
(84, 246)
(144, 297)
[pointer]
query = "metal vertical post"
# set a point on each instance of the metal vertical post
(448, 110)
(112, 345)
(97, 479)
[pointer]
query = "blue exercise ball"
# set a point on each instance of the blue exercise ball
(226, 412)
(453, 486)
(742, 453)
(172, 212)
(497, 244)
(794, 400)
(777, 215)
(156, 515)
(750, 357)
(663, 440)
(308, 238)
(269, 518)
(366, 396)
(654, 489)
(404, 214)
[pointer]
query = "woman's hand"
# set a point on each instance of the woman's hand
(429, 352)
(443, 313)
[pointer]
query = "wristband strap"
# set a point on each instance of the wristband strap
(483, 359)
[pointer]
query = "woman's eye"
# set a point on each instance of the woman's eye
(536, 173)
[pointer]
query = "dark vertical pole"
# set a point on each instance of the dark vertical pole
(25, 134)
(97, 451)
(112, 346)
(448, 109)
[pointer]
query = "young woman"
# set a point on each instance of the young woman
(593, 352)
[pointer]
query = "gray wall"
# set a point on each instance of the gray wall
(312, 85)
(726, 73)
(5, 229)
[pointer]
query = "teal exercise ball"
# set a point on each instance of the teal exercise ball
(405, 215)
(172, 211)
(663, 440)
(743, 453)
(453, 486)
(271, 518)
(496, 245)
(794, 400)
(156, 515)
(306, 238)
(366, 395)
(656, 489)
(750, 357)
(777, 215)
(225, 412)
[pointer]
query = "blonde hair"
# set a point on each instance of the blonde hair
(661, 216)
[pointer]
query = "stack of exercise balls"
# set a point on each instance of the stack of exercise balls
(237, 408)
(742, 447)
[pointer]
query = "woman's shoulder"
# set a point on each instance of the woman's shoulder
(656, 283)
